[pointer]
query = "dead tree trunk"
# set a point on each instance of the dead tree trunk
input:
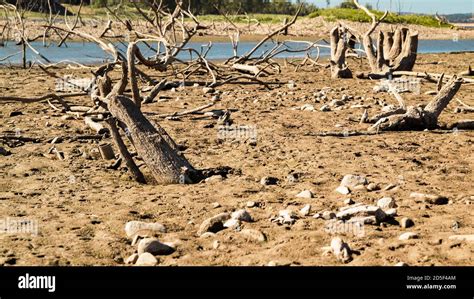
(418, 118)
(166, 164)
(339, 44)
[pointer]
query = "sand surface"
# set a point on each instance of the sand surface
(81, 206)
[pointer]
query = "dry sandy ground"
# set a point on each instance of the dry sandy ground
(81, 206)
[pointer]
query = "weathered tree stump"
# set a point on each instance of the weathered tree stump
(419, 118)
(394, 51)
(339, 46)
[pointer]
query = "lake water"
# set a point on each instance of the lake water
(90, 53)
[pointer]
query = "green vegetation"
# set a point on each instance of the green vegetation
(285, 9)
(357, 15)
(204, 7)
(262, 18)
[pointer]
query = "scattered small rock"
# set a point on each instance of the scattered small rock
(216, 205)
(307, 107)
(406, 223)
(325, 108)
(216, 244)
(328, 215)
(373, 187)
(4, 152)
(232, 224)
(429, 198)
(251, 204)
(343, 190)
(153, 246)
(391, 212)
(213, 224)
(362, 211)
(136, 239)
(242, 215)
(266, 181)
(133, 228)
(349, 201)
(352, 181)
(455, 225)
(341, 250)
(336, 103)
(386, 203)
(305, 194)
(408, 236)
(306, 210)
(285, 217)
(146, 259)
(401, 264)
(292, 178)
(253, 235)
(362, 220)
(208, 90)
(67, 117)
(131, 260)
(436, 241)
(8, 261)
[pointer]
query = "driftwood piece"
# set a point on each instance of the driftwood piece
(108, 27)
(183, 113)
(469, 72)
(418, 118)
(137, 174)
(464, 107)
(252, 69)
(155, 91)
(41, 98)
(97, 127)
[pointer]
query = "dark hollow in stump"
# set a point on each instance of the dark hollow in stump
(418, 118)
(166, 164)
(339, 45)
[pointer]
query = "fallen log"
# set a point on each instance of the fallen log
(166, 164)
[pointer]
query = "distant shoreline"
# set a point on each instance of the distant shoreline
(307, 29)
